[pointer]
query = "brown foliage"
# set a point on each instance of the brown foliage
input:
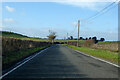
(91, 44)
(110, 47)
(88, 43)
(52, 36)
(11, 44)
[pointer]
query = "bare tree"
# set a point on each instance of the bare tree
(52, 36)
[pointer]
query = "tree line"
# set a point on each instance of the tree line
(52, 36)
(90, 38)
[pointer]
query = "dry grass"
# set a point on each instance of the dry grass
(12, 44)
(110, 47)
(103, 45)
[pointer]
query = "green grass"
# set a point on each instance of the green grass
(113, 42)
(104, 54)
(11, 34)
(20, 36)
(61, 40)
(14, 57)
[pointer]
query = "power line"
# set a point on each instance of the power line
(107, 7)
(102, 10)
(103, 13)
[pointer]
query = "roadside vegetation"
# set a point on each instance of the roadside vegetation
(104, 54)
(16, 47)
(11, 58)
(110, 46)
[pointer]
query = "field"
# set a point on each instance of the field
(105, 54)
(108, 42)
(19, 36)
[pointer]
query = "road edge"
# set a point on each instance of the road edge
(95, 58)
(24, 61)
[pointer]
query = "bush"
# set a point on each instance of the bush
(10, 45)
(88, 43)
(15, 49)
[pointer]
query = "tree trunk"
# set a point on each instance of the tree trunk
(52, 41)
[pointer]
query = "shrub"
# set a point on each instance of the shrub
(11, 44)
(88, 43)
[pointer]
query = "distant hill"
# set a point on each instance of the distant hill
(20, 36)
(12, 34)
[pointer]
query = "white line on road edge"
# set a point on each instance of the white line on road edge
(27, 59)
(96, 58)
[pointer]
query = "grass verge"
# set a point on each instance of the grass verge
(15, 57)
(104, 54)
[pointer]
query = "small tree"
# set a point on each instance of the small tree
(90, 38)
(102, 39)
(95, 39)
(71, 37)
(52, 36)
(68, 38)
(81, 38)
(86, 39)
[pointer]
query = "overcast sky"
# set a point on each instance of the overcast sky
(35, 19)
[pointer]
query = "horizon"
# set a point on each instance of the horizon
(56, 38)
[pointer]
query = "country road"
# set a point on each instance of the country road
(60, 61)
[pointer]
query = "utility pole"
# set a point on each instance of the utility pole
(78, 33)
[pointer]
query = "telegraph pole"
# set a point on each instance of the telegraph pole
(78, 33)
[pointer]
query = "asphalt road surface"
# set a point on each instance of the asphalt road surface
(60, 61)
